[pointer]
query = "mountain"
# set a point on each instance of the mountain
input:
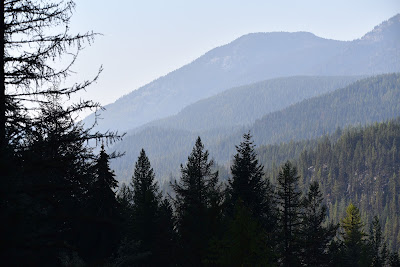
(251, 58)
(216, 117)
(369, 100)
(242, 105)
(373, 99)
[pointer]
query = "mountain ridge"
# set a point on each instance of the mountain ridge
(251, 58)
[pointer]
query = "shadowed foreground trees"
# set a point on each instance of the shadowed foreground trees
(197, 204)
(47, 174)
(315, 236)
(148, 226)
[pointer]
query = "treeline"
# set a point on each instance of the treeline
(247, 221)
(358, 165)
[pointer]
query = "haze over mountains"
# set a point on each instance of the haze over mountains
(251, 58)
(359, 103)
(233, 89)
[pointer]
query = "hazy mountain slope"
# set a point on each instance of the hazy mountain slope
(369, 100)
(243, 105)
(252, 58)
(378, 51)
(365, 101)
(168, 142)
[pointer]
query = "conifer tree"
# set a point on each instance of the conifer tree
(377, 248)
(315, 238)
(248, 186)
(353, 236)
(146, 200)
(197, 204)
(289, 215)
(101, 231)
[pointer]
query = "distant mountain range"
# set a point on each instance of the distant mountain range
(361, 102)
(251, 58)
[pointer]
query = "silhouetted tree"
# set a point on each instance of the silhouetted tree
(101, 229)
(377, 249)
(248, 185)
(50, 186)
(289, 215)
(315, 237)
(197, 204)
(146, 200)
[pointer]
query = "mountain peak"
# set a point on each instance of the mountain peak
(389, 29)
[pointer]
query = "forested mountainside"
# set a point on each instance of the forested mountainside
(369, 100)
(357, 165)
(243, 105)
(215, 118)
(365, 101)
(251, 58)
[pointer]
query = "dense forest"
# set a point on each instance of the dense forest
(357, 165)
(331, 201)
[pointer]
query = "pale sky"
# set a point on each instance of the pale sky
(143, 40)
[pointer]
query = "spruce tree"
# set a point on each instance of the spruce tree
(197, 204)
(146, 200)
(377, 248)
(289, 215)
(353, 236)
(102, 226)
(315, 237)
(248, 185)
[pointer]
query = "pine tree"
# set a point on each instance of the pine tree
(101, 231)
(197, 204)
(353, 236)
(289, 215)
(377, 248)
(315, 238)
(146, 200)
(248, 185)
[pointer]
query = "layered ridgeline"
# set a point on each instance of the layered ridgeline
(369, 100)
(366, 101)
(251, 58)
(169, 141)
(243, 105)
(358, 165)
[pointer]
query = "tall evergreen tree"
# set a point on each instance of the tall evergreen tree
(289, 215)
(102, 227)
(248, 185)
(377, 248)
(197, 204)
(315, 238)
(353, 236)
(146, 200)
